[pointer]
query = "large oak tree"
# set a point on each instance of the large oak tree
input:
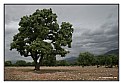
(40, 36)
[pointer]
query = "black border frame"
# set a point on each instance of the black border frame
(56, 5)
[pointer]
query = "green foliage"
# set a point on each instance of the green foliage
(100, 59)
(62, 63)
(33, 63)
(86, 59)
(8, 63)
(76, 63)
(38, 28)
(49, 60)
(20, 63)
(115, 59)
(29, 64)
(108, 61)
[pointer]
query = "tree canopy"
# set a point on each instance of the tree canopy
(40, 35)
(86, 59)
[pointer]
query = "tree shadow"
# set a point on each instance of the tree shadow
(42, 71)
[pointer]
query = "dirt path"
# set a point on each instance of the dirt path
(61, 73)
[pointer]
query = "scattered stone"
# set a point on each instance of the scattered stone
(75, 73)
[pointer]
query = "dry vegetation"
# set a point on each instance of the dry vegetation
(61, 73)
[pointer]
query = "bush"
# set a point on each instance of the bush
(86, 59)
(8, 63)
(20, 63)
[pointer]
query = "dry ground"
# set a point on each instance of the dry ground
(61, 73)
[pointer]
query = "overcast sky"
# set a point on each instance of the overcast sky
(95, 27)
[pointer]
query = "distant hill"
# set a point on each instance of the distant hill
(71, 59)
(115, 52)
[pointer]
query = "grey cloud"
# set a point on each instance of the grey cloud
(15, 12)
(112, 29)
(13, 55)
(95, 26)
(100, 39)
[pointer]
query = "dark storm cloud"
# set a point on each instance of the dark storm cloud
(95, 27)
(98, 40)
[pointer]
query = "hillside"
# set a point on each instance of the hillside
(115, 52)
(71, 59)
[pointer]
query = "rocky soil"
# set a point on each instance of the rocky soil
(61, 73)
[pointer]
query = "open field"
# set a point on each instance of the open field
(61, 73)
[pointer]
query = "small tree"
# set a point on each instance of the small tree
(62, 63)
(20, 63)
(40, 35)
(114, 59)
(8, 63)
(108, 61)
(28, 64)
(86, 59)
(101, 59)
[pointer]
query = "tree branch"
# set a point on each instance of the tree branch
(27, 55)
(40, 60)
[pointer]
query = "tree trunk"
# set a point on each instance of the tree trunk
(37, 67)
(37, 64)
